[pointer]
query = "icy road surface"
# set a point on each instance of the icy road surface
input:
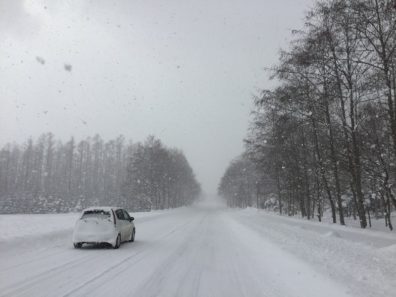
(198, 251)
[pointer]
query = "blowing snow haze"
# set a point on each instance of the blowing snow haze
(184, 71)
(222, 181)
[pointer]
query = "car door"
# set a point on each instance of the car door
(128, 223)
(121, 223)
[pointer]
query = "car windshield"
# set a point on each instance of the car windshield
(96, 213)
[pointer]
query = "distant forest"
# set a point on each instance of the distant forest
(325, 137)
(48, 175)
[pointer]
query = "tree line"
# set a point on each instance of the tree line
(48, 175)
(326, 135)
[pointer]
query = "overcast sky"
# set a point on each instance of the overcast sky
(184, 71)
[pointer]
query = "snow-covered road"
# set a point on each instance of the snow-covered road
(201, 251)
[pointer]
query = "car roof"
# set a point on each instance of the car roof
(105, 208)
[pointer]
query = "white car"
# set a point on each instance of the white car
(97, 225)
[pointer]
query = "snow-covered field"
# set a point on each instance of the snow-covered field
(205, 250)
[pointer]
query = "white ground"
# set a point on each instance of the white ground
(206, 250)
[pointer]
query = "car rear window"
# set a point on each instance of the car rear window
(96, 213)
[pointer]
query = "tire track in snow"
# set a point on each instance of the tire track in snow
(123, 264)
(68, 272)
(36, 259)
(153, 286)
(21, 286)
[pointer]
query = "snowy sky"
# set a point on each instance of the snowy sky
(184, 71)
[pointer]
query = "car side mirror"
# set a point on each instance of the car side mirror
(131, 219)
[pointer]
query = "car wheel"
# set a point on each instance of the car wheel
(132, 235)
(77, 245)
(118, 242)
